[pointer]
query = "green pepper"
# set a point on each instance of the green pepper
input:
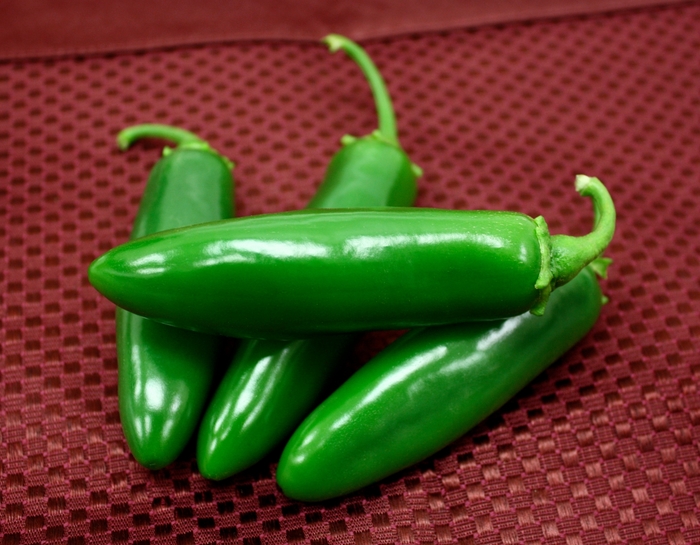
(298, 274)
(272, 385)
(426, 390)
(373, 170)
(165, 373)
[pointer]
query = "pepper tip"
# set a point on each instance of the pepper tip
(122, 141)
(334, 42)
(583, 182)
(95, 272)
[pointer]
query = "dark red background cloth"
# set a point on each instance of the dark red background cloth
(600, 449)
(35, 28)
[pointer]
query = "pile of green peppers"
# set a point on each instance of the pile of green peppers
(491, 299)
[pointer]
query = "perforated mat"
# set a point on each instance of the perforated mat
(600, 449)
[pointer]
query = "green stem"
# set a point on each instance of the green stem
(181, 137)
(385, 110)
(154, 130)
(571, 254)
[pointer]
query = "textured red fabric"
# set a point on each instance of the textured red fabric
(600, 449)
(36, 28)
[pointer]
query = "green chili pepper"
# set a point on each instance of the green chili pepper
(426, 390)
(272, 385)
(372, 170)
(298, 274)
(165, 373)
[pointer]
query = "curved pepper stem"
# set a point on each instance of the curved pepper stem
(563, 256)
(571, 254)
(154, 130)
(183, 138)
(385, 110)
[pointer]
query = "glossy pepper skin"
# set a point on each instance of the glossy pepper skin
(165, 373)
(426, 390)
(325, 271)
(271, 386)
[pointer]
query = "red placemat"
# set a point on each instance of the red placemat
(602, 448)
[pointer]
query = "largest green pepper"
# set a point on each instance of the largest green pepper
(165, 373)
(324, 271)
(271, 385)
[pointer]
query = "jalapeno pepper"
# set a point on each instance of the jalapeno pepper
(272, 385)
(372, 170)
(165, 373)
(426, 390)
(303, 273)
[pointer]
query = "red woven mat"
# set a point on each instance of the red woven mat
(600, 449)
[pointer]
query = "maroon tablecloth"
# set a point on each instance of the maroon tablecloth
(600, 449)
